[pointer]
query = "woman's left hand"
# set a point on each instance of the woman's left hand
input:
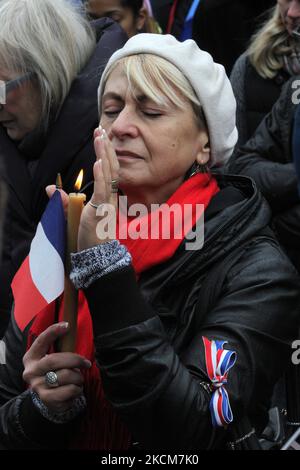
(93, 221)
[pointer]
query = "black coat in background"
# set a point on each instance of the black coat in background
(161, 10)
(66, 149)
(224, 27)
(267, 158)
(255, 96)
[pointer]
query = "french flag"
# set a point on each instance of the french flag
(40, 279)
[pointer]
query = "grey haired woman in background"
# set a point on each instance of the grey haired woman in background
(51, 60)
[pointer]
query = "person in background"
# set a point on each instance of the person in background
(51, 60)
(132, 15)
(272, 58)
(269, 158)
(220, 27)
(160, 307)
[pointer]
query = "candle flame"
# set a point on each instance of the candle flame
(79, 180)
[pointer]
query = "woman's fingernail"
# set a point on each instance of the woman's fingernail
(102, 132)
(87, 363)
(103, 136)
(64, 325)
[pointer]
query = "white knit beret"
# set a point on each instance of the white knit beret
(207, 78)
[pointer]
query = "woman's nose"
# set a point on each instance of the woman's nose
(125, 124)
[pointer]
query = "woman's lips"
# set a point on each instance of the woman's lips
(127, 154)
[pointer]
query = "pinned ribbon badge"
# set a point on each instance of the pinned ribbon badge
(218, 363)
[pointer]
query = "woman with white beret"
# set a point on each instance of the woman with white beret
(184, 332)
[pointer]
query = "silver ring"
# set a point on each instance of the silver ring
(95, 206)
(51, 379)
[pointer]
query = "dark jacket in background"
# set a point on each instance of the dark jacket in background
(267, 158)
(161, 10)
(254, 95)
(148, 336)
(34, 164)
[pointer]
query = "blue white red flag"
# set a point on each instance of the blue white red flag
(218, 363)
(40, 279)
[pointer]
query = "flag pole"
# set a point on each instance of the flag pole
(58, 183)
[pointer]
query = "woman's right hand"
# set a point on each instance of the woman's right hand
(106, 170)
(66, 365)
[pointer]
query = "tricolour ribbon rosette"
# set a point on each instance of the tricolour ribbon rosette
(218, 363)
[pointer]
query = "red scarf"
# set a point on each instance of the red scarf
(101, 429)
(147, 252)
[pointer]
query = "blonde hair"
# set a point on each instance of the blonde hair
(269, 45)
(156, 78)
(151, 25)
(49, 38)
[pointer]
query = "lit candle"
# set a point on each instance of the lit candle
(75, 206)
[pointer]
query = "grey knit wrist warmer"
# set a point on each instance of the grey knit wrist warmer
(89, 265)
(79, 404)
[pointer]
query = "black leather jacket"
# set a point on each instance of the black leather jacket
(148, 335)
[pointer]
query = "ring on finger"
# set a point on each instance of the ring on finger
(95, 206)
(51, 379)
(114, 186)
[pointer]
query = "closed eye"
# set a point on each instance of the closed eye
(151, 114)
(111, 113)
